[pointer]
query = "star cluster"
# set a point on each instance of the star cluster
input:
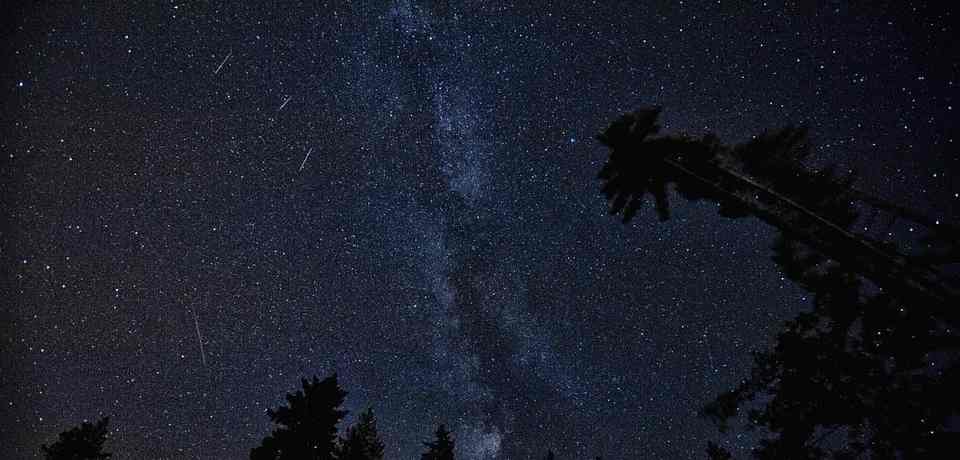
(204, 203)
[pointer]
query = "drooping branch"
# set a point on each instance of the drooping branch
(766, 179)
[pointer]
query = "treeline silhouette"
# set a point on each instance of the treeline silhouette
(306, 429)
(871, 371)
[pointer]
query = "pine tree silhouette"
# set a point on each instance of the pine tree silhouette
(441, 448)
(362, 441)
(80, 443)
(767, 179)
(870, 371)
(307, 424)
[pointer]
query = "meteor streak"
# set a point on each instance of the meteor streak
(305, 159)
(196, 322)
(222, 63)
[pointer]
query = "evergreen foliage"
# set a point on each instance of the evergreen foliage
(84, 442)
(869, 371)
(441, 448)
(362, 441)
(307, 424)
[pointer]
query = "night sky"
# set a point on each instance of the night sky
(203, 204)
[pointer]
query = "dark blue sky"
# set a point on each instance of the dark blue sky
(444, 246)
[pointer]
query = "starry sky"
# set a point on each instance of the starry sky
(204, 203)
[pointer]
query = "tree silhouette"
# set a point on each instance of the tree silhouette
(84, 442)
(441, 448)
(871, 369)
(308, 423)
(550, 455)
(767, 179)
(362, 442)
(715, 452)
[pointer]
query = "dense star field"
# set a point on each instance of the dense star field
(202, 204)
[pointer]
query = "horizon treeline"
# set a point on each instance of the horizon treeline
(306, 428)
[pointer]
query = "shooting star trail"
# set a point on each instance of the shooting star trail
(305, 159)
(222, 63)
(196, 322)
(284, 103)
